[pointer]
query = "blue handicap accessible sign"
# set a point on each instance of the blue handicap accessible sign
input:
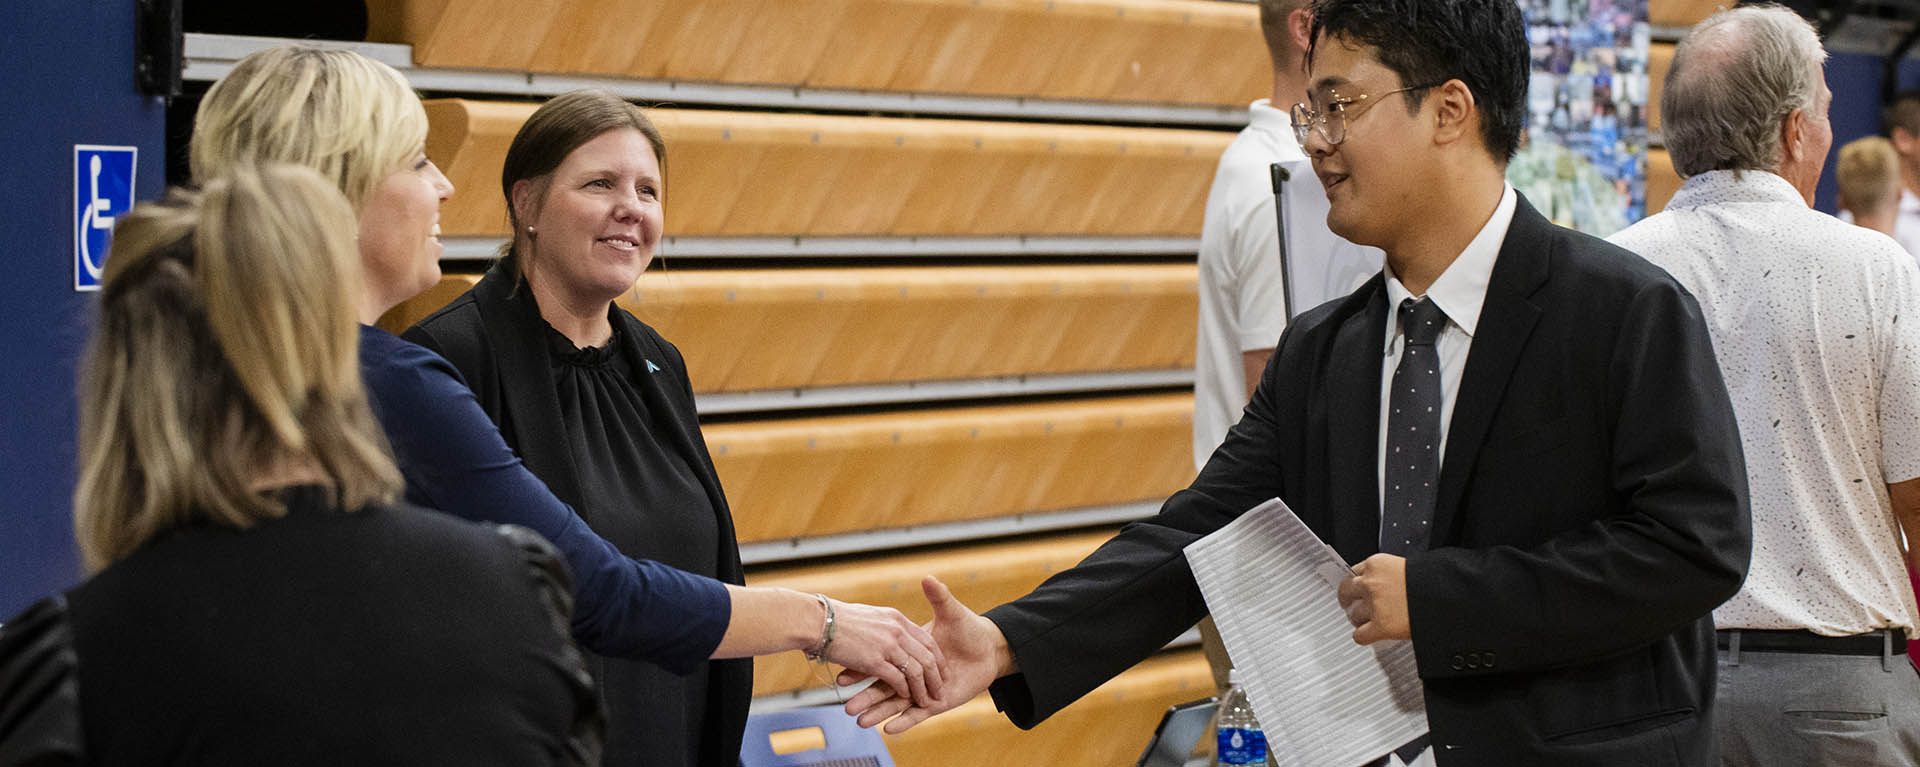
(102, 192)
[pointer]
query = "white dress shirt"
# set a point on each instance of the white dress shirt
(1459, 292)
(1906, 223)
(1816, 326)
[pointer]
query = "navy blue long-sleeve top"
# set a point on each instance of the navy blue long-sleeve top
(454, 460)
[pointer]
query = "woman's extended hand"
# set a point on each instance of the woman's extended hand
(979, 656)
(880, 642)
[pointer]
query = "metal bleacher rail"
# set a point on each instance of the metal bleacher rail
(208, 57)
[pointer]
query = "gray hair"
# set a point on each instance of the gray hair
(1734, 78)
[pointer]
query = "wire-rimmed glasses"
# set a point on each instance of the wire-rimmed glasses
(1331, 121)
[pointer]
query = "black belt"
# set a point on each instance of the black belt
(1758, 640)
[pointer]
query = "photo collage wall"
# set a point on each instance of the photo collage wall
(1582, 161)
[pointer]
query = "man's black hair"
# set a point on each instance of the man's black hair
(1482, 43)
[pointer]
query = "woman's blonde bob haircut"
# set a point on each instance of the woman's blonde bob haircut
(224, 361)
(347, 116)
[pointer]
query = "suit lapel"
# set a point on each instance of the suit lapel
(1353, 445)
(1507, 318)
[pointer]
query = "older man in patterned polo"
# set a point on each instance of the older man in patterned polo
(1816, 325)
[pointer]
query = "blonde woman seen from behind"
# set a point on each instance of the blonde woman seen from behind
(256, 595)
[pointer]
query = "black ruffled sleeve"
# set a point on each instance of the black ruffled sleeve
(39, 689)
(544, 566)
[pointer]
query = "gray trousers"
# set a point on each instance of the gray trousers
(1808, 710)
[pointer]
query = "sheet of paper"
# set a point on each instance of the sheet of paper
(1324, 701)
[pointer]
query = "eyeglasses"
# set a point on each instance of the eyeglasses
(1331, 120)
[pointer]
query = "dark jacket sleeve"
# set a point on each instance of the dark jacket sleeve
(40, 689)
(1136, 593)
(1679, 548)
(455, 460)
(587, 735)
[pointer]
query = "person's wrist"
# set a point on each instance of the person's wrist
(818, 650)
(1004, 663)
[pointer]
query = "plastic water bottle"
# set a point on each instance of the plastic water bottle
(1241, 742)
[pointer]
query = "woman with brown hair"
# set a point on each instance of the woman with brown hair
(600, 406)
(257, 596)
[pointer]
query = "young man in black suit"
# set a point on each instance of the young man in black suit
(1516, 431)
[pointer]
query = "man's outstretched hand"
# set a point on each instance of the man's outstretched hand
(976, 654)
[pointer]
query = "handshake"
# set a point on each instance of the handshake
(922, 671)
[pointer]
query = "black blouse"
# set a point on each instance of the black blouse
(619, 451)
(644, 497)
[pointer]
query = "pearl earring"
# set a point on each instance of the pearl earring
(529, 230)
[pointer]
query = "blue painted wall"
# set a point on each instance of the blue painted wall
(68, 73)
(1855, 82)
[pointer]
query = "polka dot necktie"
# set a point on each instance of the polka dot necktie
(1413, 432)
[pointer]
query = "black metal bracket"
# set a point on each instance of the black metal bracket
(159, 44)
(1890, 72)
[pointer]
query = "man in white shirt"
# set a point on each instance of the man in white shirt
(1243, 308)
(1868, 177)
(1816, 325)
(1903, 126)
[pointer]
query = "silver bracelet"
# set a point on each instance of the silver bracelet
(826, 632)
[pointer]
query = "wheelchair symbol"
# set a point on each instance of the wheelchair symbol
(94, 219)
(103, 187)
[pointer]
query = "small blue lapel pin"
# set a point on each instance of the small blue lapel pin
(652, 368)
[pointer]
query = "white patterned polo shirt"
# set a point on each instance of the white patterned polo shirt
(1816, 325)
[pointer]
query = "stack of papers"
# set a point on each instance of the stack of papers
(1272, 586)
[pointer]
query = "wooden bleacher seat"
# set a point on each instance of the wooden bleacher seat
(1662, 180)
(1659, 60)
(981, 575)
(1140, 51)
(827, 475)
(760, 173)
(1108, 727)
(744, 330)
(1682, 13)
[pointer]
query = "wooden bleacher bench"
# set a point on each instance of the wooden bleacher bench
(1662, 180)
(757, 173)
(1659, 60)
(1682, 13)
(744, 330)
(1108, 727)
(827, 475)
(1139, 51)
(981, 575)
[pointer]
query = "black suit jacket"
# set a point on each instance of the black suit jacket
(494, 334)
(389, 635)
(1592, 511)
